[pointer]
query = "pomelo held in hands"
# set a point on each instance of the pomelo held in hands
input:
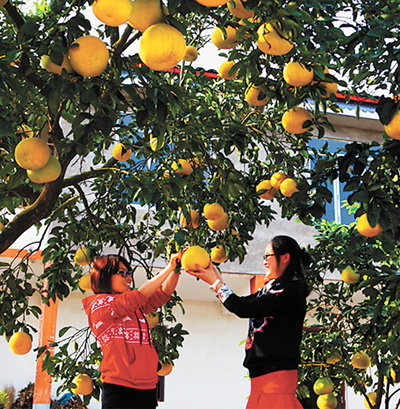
(195, 255)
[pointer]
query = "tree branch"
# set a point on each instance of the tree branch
(73, 180)
(39, 210)
(24, 64)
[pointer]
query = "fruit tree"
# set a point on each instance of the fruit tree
(189, 138)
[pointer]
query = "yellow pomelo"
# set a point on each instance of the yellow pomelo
(327, 401)
(333, 358)
(270, 190)
(146, 13)
(196, 162)
(191, 54)
(372, 399)
(166, 369)
(252, 95)
(365, 229)
(277, 178)
(90, 57)
(361, 360)
(50, 66)
(20, 343)
(238, 9)
(297, 74)
(220, 224)
(32, 153)
(162, 47)
(84, 385)
(323, 386)
(328, 87)
(393, 127)
(85, 283)
(194, 219)
(296, 120)
(112, 12)
(288, 187)
(213, 211)
(212, 3)
(83, 256)
(120, 153)
(224, 70)
(1, 226)
(195, 255)
(48, 173)
(182, 167)
(349, 276)
(218, 254)
(152, 319)
(273, 41)
(25, 131)
(224, 40)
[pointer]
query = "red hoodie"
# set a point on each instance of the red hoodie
(118, 321)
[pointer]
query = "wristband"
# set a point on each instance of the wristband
(224, 292)
(213, 286)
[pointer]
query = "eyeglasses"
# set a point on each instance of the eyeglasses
(267, 255)
(125, 273)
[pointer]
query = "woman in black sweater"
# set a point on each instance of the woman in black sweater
(276, 314)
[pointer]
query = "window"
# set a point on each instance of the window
(335, 211)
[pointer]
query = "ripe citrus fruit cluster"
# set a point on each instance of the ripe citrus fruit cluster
(84, 385)
(327, 401)
(272, 39)
(120, 153)
(365, 229)
(216, 217)
(194, 220)
(225, 70)
(323, 386)
(279, 180)
(54, 68)
(83, 256)
(361, 360)
(85, 283)
(296, 120)
(166, 368)
(218, 254)
(349, 275)
(20, 343)
(162, 46)
(392, 129)
(34, 155)
(182, 167)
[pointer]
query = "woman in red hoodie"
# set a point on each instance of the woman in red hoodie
(117, 317)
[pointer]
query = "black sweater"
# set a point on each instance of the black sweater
(275, 328)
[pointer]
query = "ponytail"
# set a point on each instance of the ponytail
(298, 257)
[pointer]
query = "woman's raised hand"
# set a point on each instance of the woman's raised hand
(175, 260)
(208, 274)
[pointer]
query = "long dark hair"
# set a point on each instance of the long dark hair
(103, 268)
(298, 257)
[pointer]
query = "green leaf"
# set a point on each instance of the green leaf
(386, 109)
(6, 128)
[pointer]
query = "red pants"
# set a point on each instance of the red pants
(276, 390)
